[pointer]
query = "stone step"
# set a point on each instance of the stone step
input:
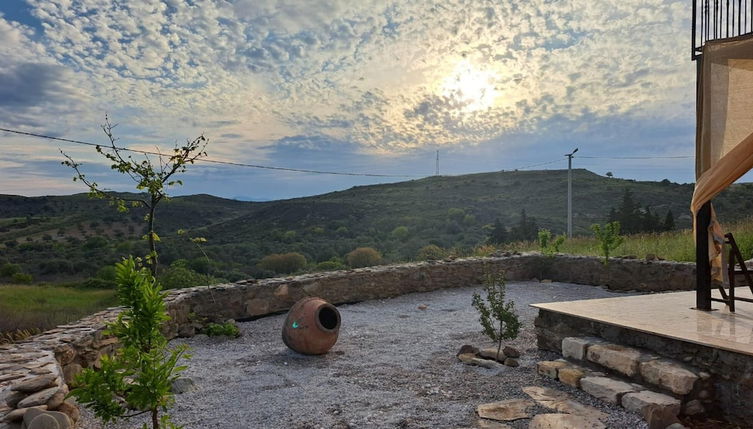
(658, 409)
(637, 365)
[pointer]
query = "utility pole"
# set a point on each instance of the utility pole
(437, 173)
(570, 193)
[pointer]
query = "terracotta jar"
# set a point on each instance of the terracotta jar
(312, 326)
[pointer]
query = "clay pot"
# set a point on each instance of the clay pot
(311, 327)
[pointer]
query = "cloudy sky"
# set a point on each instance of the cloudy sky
(362, 86)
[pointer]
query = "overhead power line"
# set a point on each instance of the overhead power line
(639, 157)
(207, 160)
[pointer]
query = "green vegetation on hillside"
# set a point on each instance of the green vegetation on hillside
(68, 239)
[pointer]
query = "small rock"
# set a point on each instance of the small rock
(511, 409)
(491, 424)
(70, 372)
(491, 353)
(422, 306)
(467, 349)
(676, 426)
(549, 368)
(70, 410)
(512, 362)
(511, 352)
(467, 358)
(183, 385)
(35, 384)
(651, 257)
(485, 363)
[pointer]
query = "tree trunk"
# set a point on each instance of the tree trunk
(152, 244)
(499, 342)
(155, 420)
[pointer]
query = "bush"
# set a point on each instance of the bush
(177, 277)
(432, 252)
(8, 270)
(22, 278)
(609, 238)
(283, 263)
(107, 273)
(363, 257)
(331, 265)
(400, 233)
(229, 329)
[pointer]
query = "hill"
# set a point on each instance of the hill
(72, 237)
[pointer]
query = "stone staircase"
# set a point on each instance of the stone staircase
(658, 389)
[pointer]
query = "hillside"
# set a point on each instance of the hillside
(71, 237)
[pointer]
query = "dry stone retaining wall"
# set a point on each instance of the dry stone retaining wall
(65, 350)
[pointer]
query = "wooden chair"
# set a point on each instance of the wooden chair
(735, 269)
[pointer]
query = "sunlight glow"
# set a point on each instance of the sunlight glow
(473, 88)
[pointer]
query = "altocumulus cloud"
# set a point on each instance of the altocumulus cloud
(379, 77)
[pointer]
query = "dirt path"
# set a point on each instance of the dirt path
(394, 366)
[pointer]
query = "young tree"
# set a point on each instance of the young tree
(608, 236)
(497, 317)
(549, 245)
(669, 221)
(498, 234)
(139, 376)
(148, 176)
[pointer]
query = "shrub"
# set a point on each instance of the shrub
(400, 233)
(283, 263)
(8, 270)
(608, 237)
(139, 375)
(229, 329)
(497, 317)
(363, 257)
(331, 265)
(22, 278)
(177, 277)
(106, 273)
(548, 246)
(432, 252)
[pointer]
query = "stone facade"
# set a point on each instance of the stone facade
(66, 350)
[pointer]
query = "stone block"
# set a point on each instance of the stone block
(35, 384)
(571, 376)
(640, 402)
(606, 389)
(549, 368)
(491, 353)
(669, 375)
(511, 409)
(38, 398)
(625, 360)
(576, 347)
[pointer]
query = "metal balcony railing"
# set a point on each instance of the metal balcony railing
(720, 19)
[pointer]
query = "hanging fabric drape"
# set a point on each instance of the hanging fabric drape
(724, 134)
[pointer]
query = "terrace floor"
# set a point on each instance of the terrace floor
(394, 366)
(670, 315)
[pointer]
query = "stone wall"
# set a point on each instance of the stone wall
(65, 350)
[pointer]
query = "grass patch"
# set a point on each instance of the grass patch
(44, 307)
(673, 246)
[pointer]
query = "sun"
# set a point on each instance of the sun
(471, 87)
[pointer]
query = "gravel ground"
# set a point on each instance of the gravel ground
(393, 366)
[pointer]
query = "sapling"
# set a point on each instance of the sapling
(608, 236)
(547, 245)
(137, 378)
(497, 316)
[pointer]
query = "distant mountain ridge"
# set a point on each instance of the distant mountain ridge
(449, 211)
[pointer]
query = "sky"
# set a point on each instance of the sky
(375, 87)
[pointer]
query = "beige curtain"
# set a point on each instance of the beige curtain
(724, 134)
